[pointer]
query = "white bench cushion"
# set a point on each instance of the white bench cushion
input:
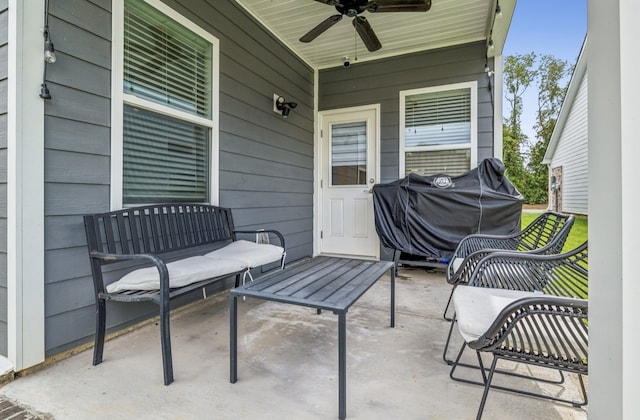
(250, 253)
(181, 273)
(477, 307)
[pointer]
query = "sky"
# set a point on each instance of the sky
(554, 27)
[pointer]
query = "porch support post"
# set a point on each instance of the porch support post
(614, 225)
(25, 185)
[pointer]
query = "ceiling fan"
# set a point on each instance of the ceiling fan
(353, 8)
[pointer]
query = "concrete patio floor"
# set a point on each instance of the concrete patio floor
(287, 366)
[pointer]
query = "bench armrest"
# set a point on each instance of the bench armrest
(157, 261)
(275, 232)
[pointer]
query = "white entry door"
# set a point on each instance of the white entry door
(349, 159)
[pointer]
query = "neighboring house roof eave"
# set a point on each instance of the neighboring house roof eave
(574, 87)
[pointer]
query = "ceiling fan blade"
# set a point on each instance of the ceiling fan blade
(399, 6)
(365, 31)
(329, 2)
(323, 26)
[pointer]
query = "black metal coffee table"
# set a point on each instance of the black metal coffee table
(327, 283)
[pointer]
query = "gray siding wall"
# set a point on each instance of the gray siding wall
(381, 82)
(571, 155)
(4, 32)
(266, 162)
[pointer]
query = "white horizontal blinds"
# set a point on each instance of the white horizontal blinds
(349, 153)
(164, 62)
(164, 159)
(438, 118)
(450, 162)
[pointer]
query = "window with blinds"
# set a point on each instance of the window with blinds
(437, 130)
(165, 151)
(164, 62)
(164, 160)
(438, 118)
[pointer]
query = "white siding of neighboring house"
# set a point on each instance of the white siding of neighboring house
(571, 154)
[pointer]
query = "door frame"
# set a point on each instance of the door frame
(319, 161)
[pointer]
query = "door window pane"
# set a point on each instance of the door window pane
(349, 153)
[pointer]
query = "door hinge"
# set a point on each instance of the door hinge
(320, 183)
(321, 234)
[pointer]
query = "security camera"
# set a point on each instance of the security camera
(346, 62)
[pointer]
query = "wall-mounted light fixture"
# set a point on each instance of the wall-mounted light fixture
(49, 53)
(498, 10)
(281, 106)
(487, 69)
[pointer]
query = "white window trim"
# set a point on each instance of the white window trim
(119, 98)
(472, 145)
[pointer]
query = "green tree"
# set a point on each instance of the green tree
(519, 74)
(552, 88)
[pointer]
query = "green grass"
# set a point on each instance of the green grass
(578, 233)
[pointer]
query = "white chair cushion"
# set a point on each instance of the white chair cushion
(477, 307)
(181, 273)
(456, 263)
(251, 253)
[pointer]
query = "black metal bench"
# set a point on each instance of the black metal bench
(159, 235)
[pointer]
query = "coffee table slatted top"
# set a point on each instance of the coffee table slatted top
(326, 283)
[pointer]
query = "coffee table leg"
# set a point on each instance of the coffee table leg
(233, 334)
(393, 297)
(342, 366)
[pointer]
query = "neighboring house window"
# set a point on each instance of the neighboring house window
(169, 73)
(438, 129)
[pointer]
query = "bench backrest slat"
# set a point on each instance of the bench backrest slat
(122, 233)
(158, 229)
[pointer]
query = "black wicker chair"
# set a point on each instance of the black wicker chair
(545, 235)
(529, 309)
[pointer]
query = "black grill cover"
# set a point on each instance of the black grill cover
(429, 215)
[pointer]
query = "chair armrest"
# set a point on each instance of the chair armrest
(548, 329)
(475, 242)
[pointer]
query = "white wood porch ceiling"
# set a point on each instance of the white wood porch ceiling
(449, 22)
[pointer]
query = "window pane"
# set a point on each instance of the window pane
(450, 162)
(164, 62)
(164, 159)
(438, 118)
(349, 153)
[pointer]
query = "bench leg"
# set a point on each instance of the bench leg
(101, 320)
(165, 338)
